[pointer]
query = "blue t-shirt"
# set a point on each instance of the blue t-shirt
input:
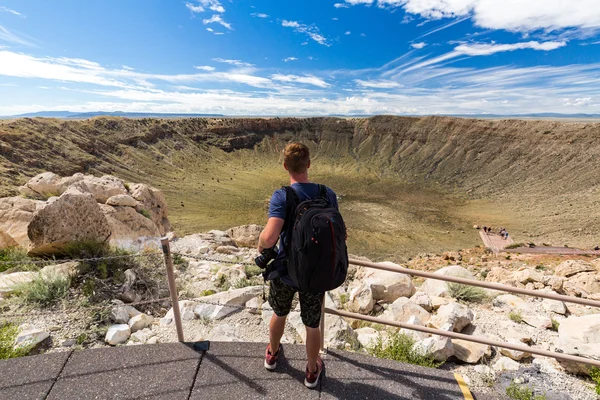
(305, 191)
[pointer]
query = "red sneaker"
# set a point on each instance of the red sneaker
(312, 379)
(271, 359)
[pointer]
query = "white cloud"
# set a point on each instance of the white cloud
(11, 37)
(210, 29)
(378, 84)
(418, 45)
(11, 11)
(205, 68)
(363, 35)
(335, 19)
(290, 59)
(310, 80)
(310, 30)
(218, 20)
(260, 15)
(217, 8)
(355, 2)
(237, 63)
(193, 8)
(127, 68)
(513, 15)
(340, 5)
(348, 33)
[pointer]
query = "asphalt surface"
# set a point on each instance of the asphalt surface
(226, 371)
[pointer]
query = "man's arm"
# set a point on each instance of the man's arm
(270, 234)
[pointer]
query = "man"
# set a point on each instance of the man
(282, 289)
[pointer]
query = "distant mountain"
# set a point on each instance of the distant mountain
(77, 115)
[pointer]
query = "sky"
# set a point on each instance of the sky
(308, 57)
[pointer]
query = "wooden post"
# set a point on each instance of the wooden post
(322, 325)
(172, 287)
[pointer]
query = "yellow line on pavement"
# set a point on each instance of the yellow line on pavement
(463, 387)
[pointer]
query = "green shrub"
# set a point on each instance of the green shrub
(472, 294)
(515, 246)
(517, 392)
(102, 269)
(344, 299)
(8, 334)
(253, 270)
(595, 374)
(555, 325)
(146, 214)
(15, 254)
(244, 282)
(516, 316)
(207, 292)
(180, 262)
(400, 347)
(44, 290)
(222, 283)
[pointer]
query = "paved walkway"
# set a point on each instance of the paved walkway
(494, 241)
(227, 371)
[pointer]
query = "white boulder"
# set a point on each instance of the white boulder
(403, 309)
(506, 364)
(580, 336)
(30, 338)
(440, 347)
(457, 315)
(140, 322)
(387, 286)
(434, 287)
(117, 334)
(360, 298)
(122, 200)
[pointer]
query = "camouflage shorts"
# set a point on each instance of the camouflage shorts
(280, 300)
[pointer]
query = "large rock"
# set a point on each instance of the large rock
(139, 322)
(223, 304)
(7, 241)
(130, 230)
(72, 218)
(10, 282)
(186, 309)
(510, 302)
(498, 274)
(43, 186)
(573, 267)
(515, 354)
(434, 287)
(470, 352)
(122, 200)
(403, 309)
(440, 347)
(387, 286)
(194, 245)
(423, 300)
(368, 337)
(506, 364)
(360, 298)
(456, 315)
(31, 337)
(511, 331)
(101, 188)
(15, 215)
(246, 235)
(579, 336)
(583, 284)
(153, 201)
(526, 275)
(117, 334)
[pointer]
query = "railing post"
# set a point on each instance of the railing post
(322, 324)
(172, 287)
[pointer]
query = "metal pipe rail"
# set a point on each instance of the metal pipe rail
(472, 282)
(462, 336)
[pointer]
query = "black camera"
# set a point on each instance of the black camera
(266, 256)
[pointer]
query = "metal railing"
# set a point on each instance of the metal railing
(454, 335)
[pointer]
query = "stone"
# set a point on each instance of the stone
(515, 354)
(413, 333)
(527, 275)
(470, 352)
(440, 347)
(186, 309)
(512, 331)
(573, 267)
(423, 300)
(153, 201)
(195, 245)
(142, 336)
(537, 321)
(130, 296)
(69, 343)
(122, 200)
(579, 336)
(10, 282)
(387, 286)
(15, 215)
(42, 186)
(437, 302)
(30, 338)
(119, 315)
(117, 334)
(506, 364)
(484, 370)
(231, 273)
(152, 340)
(434, 287)
(360, 298)
(555, 282)
(457, 315)
(7, 241)
(510, 302)
(220, 302)
(69, 269)
(130, 230)
(254, 305)
(498, 274)
(555, 306)
(140, 322)
(246, 235)
(228, 250)
(266, 312)
(583, 284)
(101, 188)
(402, 309)
(368, 337)
(72, 218)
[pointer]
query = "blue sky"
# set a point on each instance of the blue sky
(309, 57)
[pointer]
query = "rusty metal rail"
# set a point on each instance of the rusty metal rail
(454, 335)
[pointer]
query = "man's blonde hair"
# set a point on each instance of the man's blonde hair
(296, 157)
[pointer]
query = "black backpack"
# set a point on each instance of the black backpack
(317, 257)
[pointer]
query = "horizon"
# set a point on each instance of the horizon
(317, 58)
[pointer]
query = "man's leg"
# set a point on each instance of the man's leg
(276, 328)
(313, 345)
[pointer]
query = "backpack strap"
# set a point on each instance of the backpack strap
(323, 191)
(291, 202)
